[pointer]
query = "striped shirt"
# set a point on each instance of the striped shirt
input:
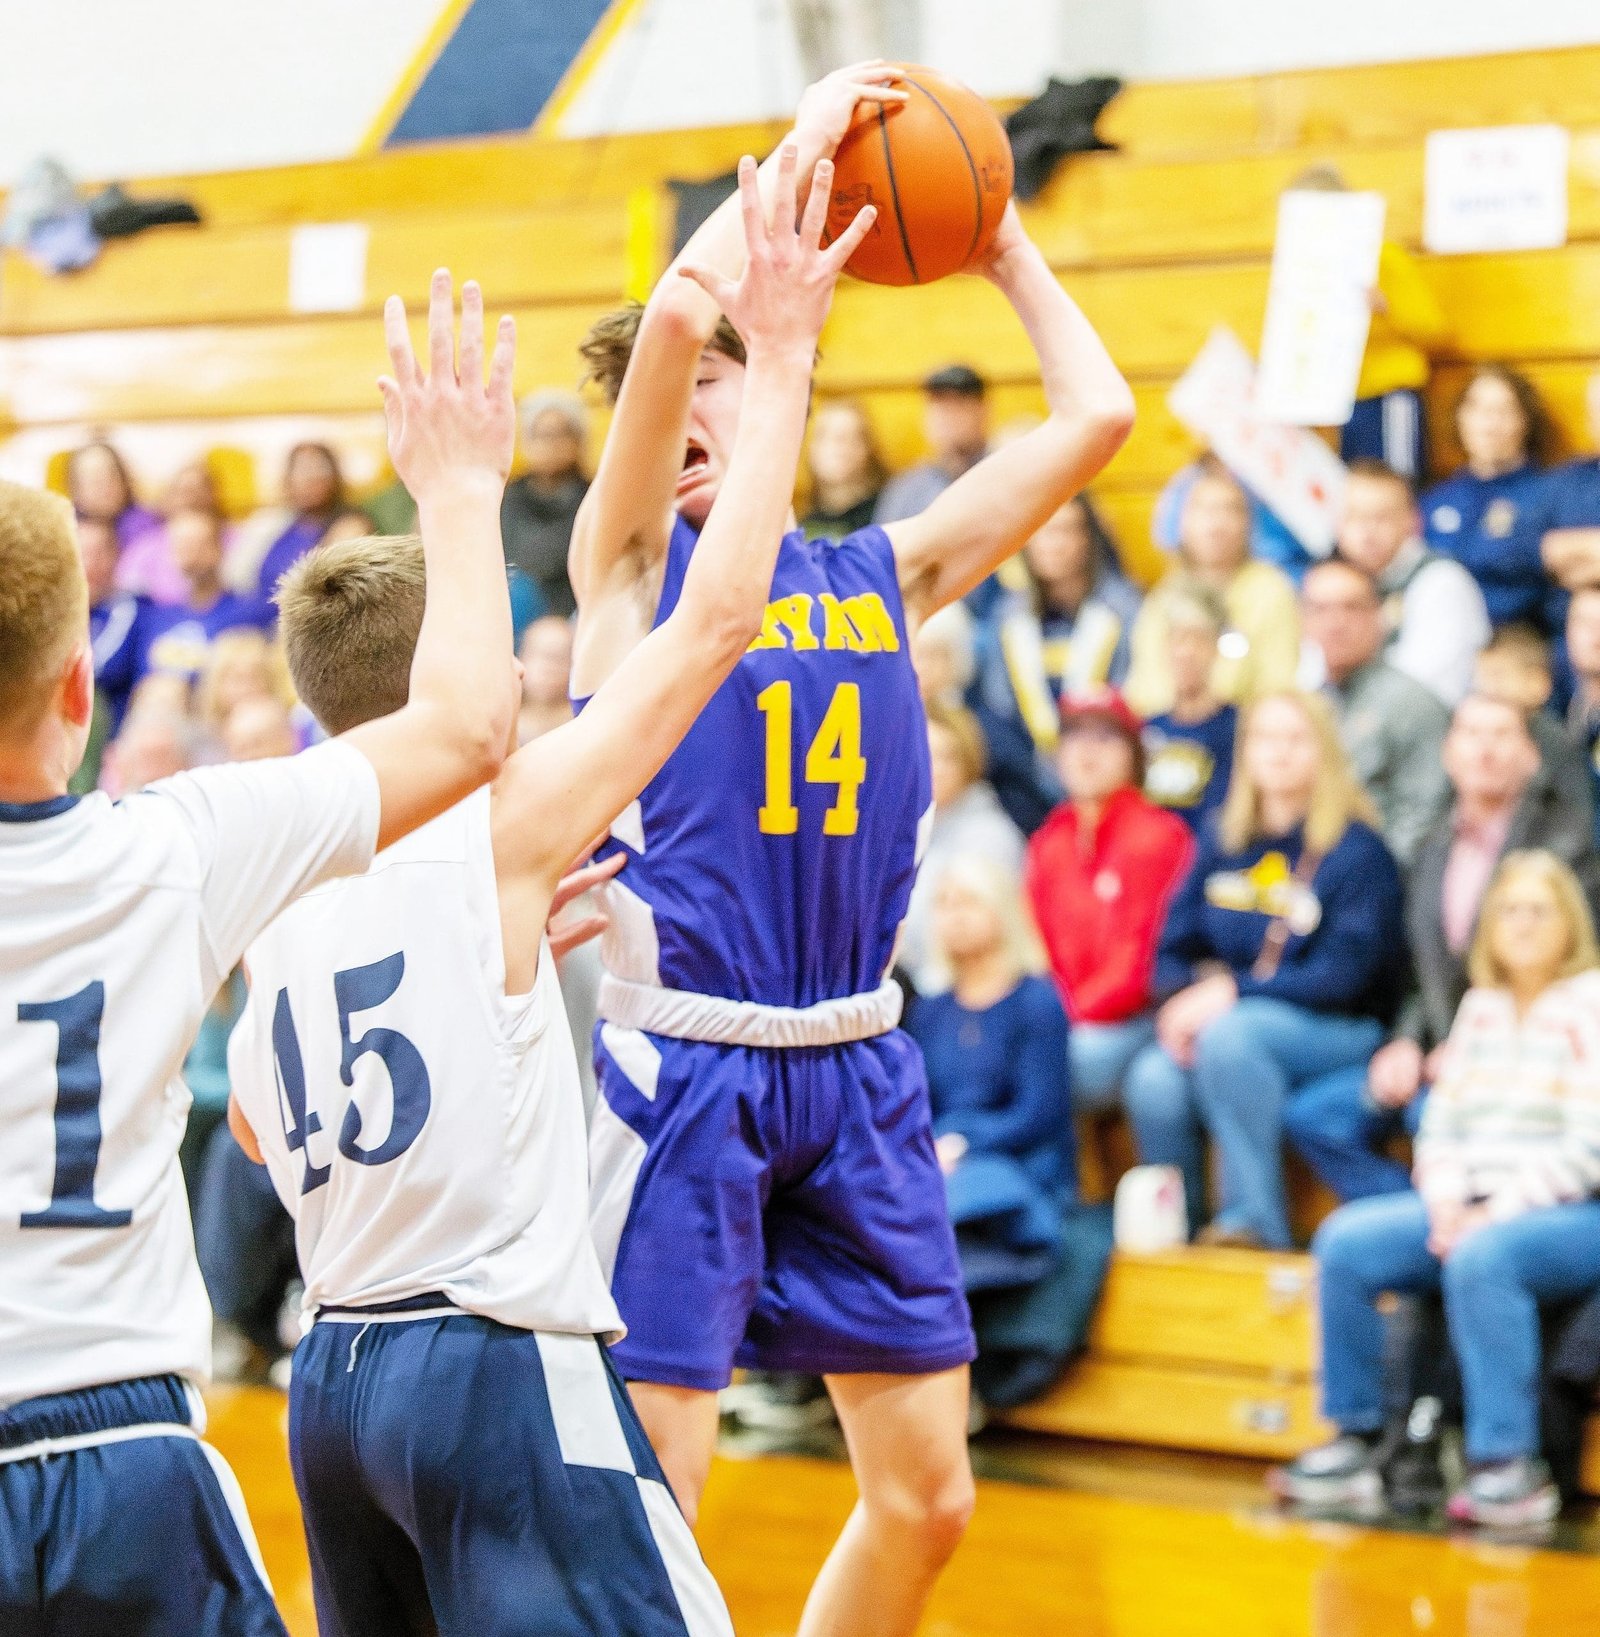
(1514, 1116)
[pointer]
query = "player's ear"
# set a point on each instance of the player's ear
(77, 687)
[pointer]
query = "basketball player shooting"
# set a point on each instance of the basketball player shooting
(766, 1189)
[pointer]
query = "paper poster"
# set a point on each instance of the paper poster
(1503, 188)
(1291, 469)
(1319, 306)
(328, 267)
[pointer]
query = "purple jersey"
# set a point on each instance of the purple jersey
(772, 857)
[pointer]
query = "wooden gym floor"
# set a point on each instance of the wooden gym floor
(1074, 1540)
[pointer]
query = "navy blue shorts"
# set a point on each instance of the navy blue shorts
(778, 1209)
(142, 1536)
(457, 1474)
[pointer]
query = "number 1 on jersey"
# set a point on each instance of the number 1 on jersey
(833, 758)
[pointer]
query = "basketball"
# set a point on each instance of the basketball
(938, 167)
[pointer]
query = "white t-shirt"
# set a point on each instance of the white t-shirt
(425, 1130)
(118, 923)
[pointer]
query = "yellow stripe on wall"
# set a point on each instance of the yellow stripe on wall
(617, 17)
(417, 70)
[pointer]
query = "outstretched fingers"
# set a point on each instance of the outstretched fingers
(397, 336)
(848, 242)
(817, 202)
(721, 290)
(755, 221)
(441, 327)
(504, 358)
(783, 208)
(471, 333)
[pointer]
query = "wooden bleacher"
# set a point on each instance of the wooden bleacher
(190, 332)
(1160, 241)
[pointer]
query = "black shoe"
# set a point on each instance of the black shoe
(1348, 1472)
(1413, 1476)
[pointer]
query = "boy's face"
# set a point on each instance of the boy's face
(195, 541)
(713, 425)
(1514, 677)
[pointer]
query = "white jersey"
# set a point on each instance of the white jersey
(118, 923)
(425, 1130)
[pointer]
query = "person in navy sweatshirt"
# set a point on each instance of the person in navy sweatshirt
(996, 1049)
(1479, 514)
(1282, 959)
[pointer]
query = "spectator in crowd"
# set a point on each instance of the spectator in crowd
(1392, 727)
(541, 505)
(1281, 962)
(1260, 650)
(241, 665)
(1564, 518)
(1478, 515)
(546, 654)
(968, 821)
(313, 487)
(943, 650)
(1271, 539)
(1583, 654)
(1188, 750)
(846, 469)
(995, 1042)
(1434, 613)
(1388, 422)
(156, 742)
(192, 488)
(118, 620)
(180, 637)
(1505, 800)
(258, 728)
(1503, 1216)
(1100, 873)
(100, 487)
(1063, 630)
(956, 425)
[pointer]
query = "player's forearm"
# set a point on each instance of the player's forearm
(1082, 384)
(460, 684)
(730, 574)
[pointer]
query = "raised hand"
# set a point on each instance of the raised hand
(448, 424)
(780, 301)
(827, 107)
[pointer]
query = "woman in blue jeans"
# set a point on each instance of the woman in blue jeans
(1503, 1217)
(1282, 959)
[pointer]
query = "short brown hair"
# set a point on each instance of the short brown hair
(609, 345)
(44, 600)
(1380, 471)
(349, 616)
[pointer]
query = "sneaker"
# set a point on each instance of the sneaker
(1413, 1475)
(1508, 1495)
(778, 1403)
(1347, 1472)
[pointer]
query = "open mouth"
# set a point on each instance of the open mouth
(694, 463)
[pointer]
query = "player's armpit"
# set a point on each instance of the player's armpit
(242, 1134)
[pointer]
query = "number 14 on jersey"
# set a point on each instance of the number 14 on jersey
(834, 757)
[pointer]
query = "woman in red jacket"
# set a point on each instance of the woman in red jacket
(1100, 872)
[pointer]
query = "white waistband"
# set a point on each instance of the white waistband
(722, 1022)
(42, 1448)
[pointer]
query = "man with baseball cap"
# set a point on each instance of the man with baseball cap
(956, 425)
(1100, 872)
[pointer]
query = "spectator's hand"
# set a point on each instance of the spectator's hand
(565, 936)
(448, 426)
(780, 300)
(1394, 1075)
(1450, 1225)
(827, 107)
(951, 1149)
(1181, 1021)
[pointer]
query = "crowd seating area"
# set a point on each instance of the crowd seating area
(181, 347)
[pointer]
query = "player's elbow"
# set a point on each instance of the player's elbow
(1111, 418)
(722, 626)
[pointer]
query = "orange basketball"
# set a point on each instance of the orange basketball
(938, 167)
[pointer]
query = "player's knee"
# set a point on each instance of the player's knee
(930, 1517)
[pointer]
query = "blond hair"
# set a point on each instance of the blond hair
(233, 649)
(349, 616)
(1583, 954)
(44, 601)
(1000, 893)
(963, 728)
(1337, 798)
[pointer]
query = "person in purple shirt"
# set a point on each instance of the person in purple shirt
(178, 639)
(1477, 515)
(99, 487)
(118, 620)
(313, 485)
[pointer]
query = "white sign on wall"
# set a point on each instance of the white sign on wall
(328, 267)
(1319, 306)
(1291, 469)
(1499, 189)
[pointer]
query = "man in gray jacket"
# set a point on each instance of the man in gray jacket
(1392, 726)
